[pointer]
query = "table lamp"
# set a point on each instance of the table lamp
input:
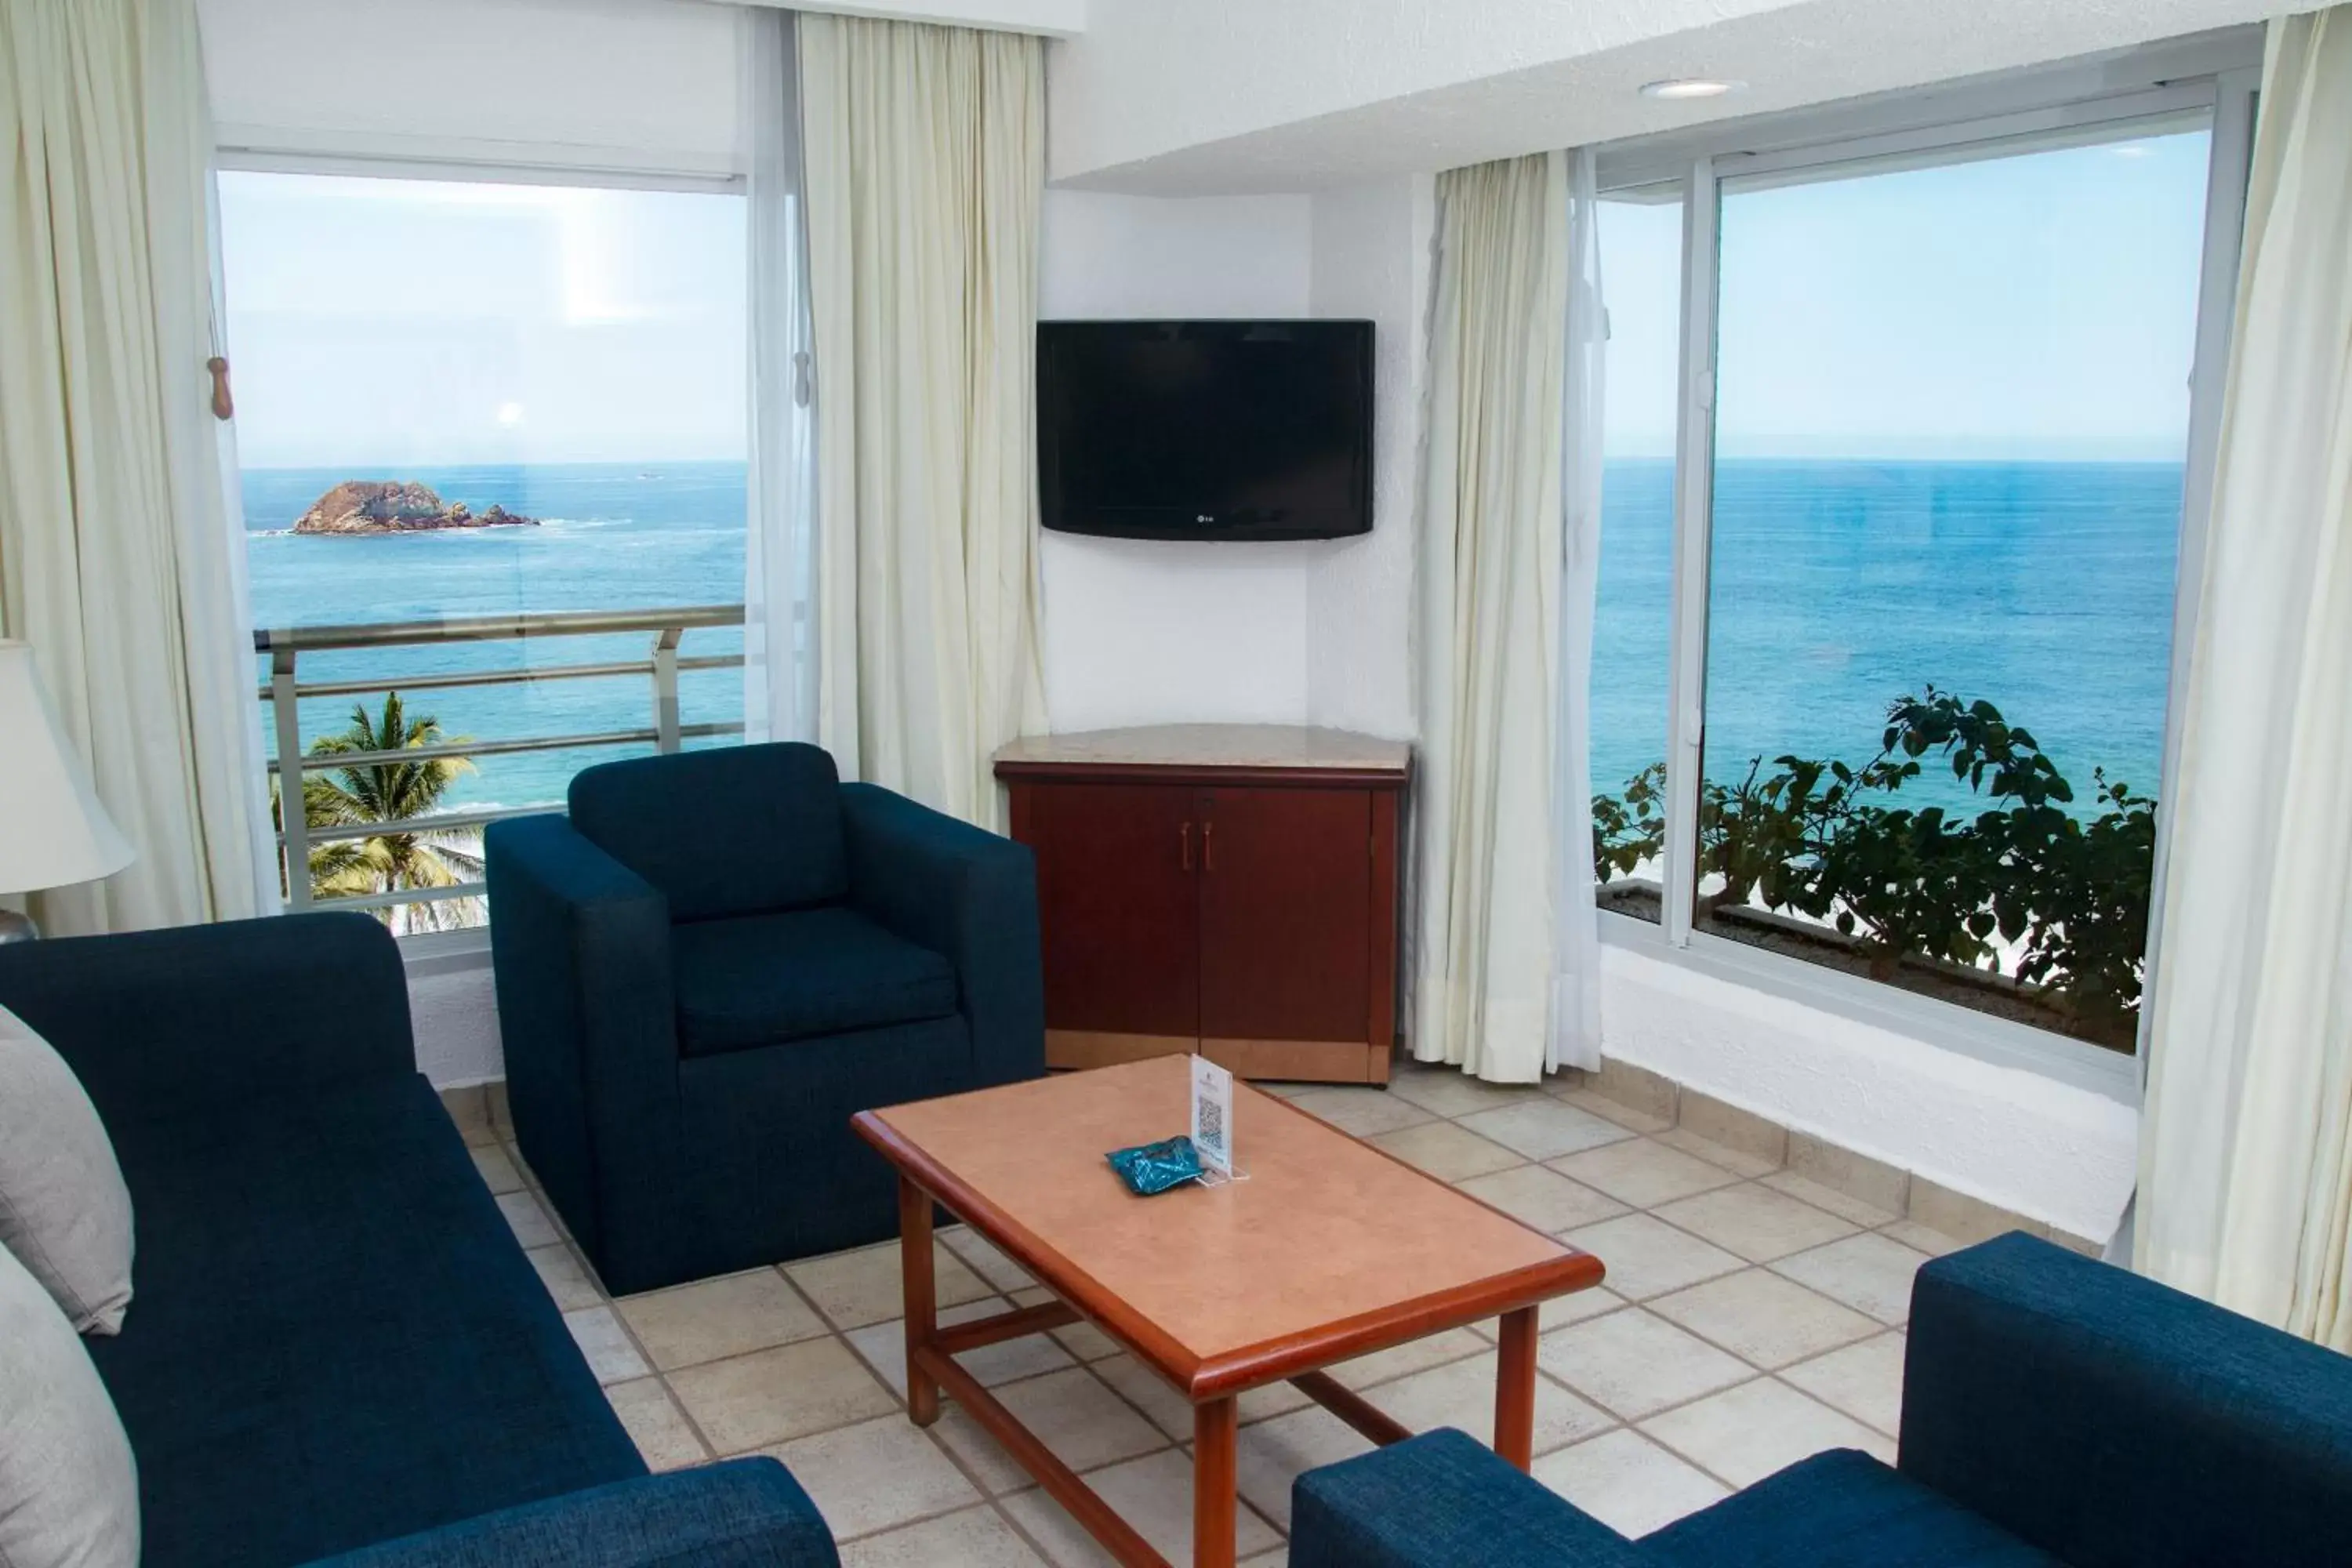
(53, 832)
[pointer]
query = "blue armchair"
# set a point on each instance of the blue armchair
(711, 964)
(2055, 1410)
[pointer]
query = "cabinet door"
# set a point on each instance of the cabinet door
(1116, 908)
(1286, 899)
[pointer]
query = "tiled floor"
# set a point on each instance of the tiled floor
(1750, 1317)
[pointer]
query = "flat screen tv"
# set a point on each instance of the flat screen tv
(1206, 429)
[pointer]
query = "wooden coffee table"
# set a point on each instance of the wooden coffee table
(1330, 1249)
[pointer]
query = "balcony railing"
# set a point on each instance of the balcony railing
(286, 690)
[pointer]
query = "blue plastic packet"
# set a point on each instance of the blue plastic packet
(1150, 1168)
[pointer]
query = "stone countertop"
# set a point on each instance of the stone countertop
(1216, 746)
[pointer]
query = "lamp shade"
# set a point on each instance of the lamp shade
(53, 832)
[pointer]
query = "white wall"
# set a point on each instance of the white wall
(1144, 632)
(454, 1008)
(2015, 1138)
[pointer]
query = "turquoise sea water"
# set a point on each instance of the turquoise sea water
(1836, 587)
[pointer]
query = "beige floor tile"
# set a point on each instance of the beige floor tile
(497, 1170)
(1644, 1171)
(1154, 1494)
(1865, 1381)
(469, 1108)
(1362, 1111)
(1629, 1117)
(1277, 1558)
(1845, 1205)
(1544, 1128)
(571, 1285)
(1744, 1434)
(1277, 1452)
(1965, 1218)
(1628, 1482)
(1413, 1355)
(855, 1289)
(713, 1318)
(532, 1226)
(1449, 1091)
(986, 1261)
(775, 1395)
(1634, 1364)
(1764, 1318)
(656, 1424)
(1869, 1272)
(1444, 1151)
(1921, 1237)
(1075, 1414)
(997, 1471)
(1561, 1311)
(1086, 1341)
(874, 1474)
(1755, 1222)
(1462, 1393)
(884, 1345)
(1171, 1412)
(1646, 1257)
(1544, 1199)
(975, 1538)
(605, 1343)
(1739, 1161)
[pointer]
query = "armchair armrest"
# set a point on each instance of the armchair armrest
(1442, 1500)
(196, 1015)
(2110, 1420)
(747, 1513)
(968, 894)
(580, 950)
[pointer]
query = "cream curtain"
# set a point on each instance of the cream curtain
(2245, 1193)
(924, 149)
(117, 560)
(1491, 569)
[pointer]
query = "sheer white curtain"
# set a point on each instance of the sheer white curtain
(779, 625)
(924, 150)
(1575, 1040)
(2245, 1194)
(118, 558)
(1491, 577)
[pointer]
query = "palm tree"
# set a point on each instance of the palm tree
(370, 793)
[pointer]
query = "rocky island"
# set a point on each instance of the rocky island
(389, 506)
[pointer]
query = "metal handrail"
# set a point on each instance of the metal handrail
(285, 693)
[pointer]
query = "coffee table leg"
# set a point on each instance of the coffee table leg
(922, 1303)
(1514, 1389)
(1215, 1477)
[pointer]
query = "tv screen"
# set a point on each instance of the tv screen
(1206, 429)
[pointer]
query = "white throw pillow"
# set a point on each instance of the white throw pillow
(64, 1211)
(68, 1487)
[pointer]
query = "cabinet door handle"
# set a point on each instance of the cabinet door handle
(1185, 833)
(1208, 846)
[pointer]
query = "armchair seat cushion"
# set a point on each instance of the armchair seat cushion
(762, 980)
(1841, 1510)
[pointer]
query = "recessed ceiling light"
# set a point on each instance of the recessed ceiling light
(1688, 87)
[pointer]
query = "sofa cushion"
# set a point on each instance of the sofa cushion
(736, 830)
(337, 1340)
(64, 1211)
(67, 1495)
(765, 979)
(1841, 1510)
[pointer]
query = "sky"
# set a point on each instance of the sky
(411, 322)
(2040, 306)
(2036, 306)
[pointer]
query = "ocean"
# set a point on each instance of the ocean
(1836, 587)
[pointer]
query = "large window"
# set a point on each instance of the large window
(1938, 533)
(460, 401)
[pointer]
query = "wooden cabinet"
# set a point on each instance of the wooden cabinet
(1230, 888)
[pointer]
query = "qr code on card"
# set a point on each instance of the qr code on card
(1212, 1125)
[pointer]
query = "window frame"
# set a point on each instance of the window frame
(2217, 75)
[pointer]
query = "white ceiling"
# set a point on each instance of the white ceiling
(1205, 97)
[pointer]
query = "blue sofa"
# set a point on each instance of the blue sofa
(2055, 1410)
(335, 1344)
(717, 960)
